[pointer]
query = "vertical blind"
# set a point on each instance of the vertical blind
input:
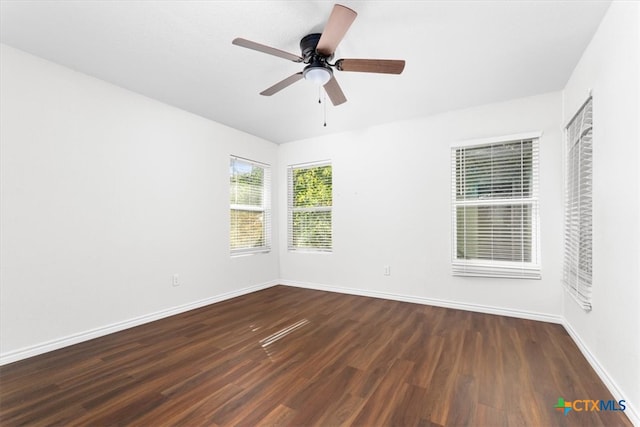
(310, 202)
(250, 206)
(495, 209)
(578, 217)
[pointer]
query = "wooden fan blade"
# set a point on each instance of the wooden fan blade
(335, 93)
(339, 22)
(386, 66)
(266, 49)
(282, 84)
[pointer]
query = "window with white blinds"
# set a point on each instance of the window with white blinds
(250, 203)
(578, 217)
(495, 229)
(310, 203)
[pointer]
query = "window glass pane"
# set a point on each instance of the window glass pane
(247, 183)
(247, 229)
(312, 229)
(312, 187)
(495, 172)
(499, 232)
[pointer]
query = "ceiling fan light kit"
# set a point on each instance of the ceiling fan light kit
(317, 50)
(317, 74)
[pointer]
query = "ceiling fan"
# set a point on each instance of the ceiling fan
(317, 51)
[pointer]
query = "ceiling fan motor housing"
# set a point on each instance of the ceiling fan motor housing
(308, 46)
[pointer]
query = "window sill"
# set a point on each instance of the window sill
(246, 254)
(497, 271)
(311, 251)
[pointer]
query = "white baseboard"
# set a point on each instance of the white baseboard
(630, 410)
(23, 353)
(521, 314)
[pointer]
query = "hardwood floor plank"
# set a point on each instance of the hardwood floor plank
(268, 383)
(462, 409)
(291, 356)
(381, 405)
(412, 407)
(341, 412)
(488, 416)
(195, 406)
(490, 369)
(326, 393)
(280, 416)
(122, 412)
(445, 375)
(426, 361)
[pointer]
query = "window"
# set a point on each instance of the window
(577, 275)
(250, 188)
(309, 207)
(495, 208)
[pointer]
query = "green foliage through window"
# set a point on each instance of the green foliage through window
(312, 187)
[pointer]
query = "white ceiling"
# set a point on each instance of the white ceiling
(459, 54)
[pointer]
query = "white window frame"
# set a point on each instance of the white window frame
(577, 276)
(291, 209)
(498, 268)
(265, 208)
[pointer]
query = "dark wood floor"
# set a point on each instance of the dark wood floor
(288, 356)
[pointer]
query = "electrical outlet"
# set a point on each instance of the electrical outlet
(176, 280)
(387, 270)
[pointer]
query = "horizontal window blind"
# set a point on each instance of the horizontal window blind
(310, 204)
(250, 206)
(578, 217)
(495, 209)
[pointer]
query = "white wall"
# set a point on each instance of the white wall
(105, 195)
(609, 66)
(392, 198)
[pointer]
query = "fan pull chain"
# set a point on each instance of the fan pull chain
(324, 107)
